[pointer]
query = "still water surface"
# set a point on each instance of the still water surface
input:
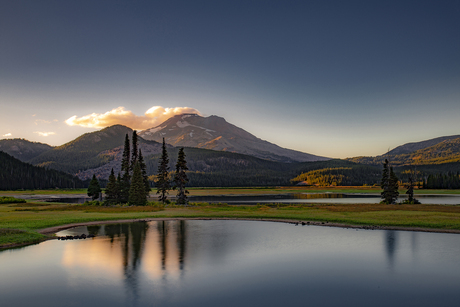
(234, 263)
(324, 198)
(340, 198)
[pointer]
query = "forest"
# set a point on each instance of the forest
(15, 175)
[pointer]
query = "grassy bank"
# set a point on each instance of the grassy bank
(19, 223)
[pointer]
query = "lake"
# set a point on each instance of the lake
(294, 198)
(325, 198)
(233, 263)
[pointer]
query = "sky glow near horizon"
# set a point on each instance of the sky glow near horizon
(331, 78)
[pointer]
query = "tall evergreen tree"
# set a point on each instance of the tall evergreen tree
(111, 191)
(180, 178)
(137, 195)
(143, 167)
(134, 150)
(410, 190)
(163, 184)
(384, 183)
(393, 184)
(119, 185)
(389, 184)
(94, 189)
(126, 178)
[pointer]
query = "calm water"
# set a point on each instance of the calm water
(339, 198)
(234, 263)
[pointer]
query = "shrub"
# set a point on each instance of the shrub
(11, 200)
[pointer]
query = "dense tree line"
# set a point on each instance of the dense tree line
(448, 180)
(15, 175)
(340, 176)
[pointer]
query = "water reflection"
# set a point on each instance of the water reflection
(233, 263)
(391, 238)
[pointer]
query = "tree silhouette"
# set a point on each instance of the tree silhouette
(163, 184)
(180, 178)
(137, 195)
(94, 188)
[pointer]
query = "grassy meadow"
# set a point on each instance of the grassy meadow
(20, 222)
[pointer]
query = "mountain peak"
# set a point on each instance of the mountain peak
(214, 132)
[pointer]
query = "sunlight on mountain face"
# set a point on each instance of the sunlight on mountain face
(152, 117)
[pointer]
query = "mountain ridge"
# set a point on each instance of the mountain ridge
(214, 132)
(23, 149)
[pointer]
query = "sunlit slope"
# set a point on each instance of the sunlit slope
(214, 132)
(446, 151)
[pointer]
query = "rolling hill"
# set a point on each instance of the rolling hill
(22, 149)
(445, 151)
(92, 150)
(15, 174)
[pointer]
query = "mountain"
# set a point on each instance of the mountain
(213, 132)
(102, 148)
(15, 174)
(210, 168)
(411, 147)
(447, 150)
(22, 149)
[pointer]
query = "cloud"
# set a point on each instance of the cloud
(44, 133)
(42, 121)
(7, 135)
(152, 117)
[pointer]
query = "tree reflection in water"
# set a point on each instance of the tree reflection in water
(133, 237)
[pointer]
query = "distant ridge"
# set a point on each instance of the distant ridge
(22, 149)
(414, 146)
(444, 150)
(92, 150)
(214, 132)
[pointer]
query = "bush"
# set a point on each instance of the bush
(11, 200)
(413, 202)
(93, 203)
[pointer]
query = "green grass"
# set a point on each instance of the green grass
(11, 200)
(19, 222)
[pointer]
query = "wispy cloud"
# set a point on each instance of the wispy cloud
(44, 133)
(42, 121)
(7, 135)
(152, 117)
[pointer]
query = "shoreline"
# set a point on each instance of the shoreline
(50, 231)
(55, 229)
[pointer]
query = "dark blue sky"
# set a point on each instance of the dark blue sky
(333, 78)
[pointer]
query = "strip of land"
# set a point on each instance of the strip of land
(31, 222)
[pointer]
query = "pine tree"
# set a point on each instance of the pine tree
(94, 188)
(384, 183)
(111, 191)
(389, 184)
(393, 184)
(180, 178)
(125, 165)
(119, 188)
(163, 184)
(410, 190)
(137, 195)
(143, 167)
(134, 151)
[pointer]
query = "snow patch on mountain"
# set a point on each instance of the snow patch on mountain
(153, 130)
